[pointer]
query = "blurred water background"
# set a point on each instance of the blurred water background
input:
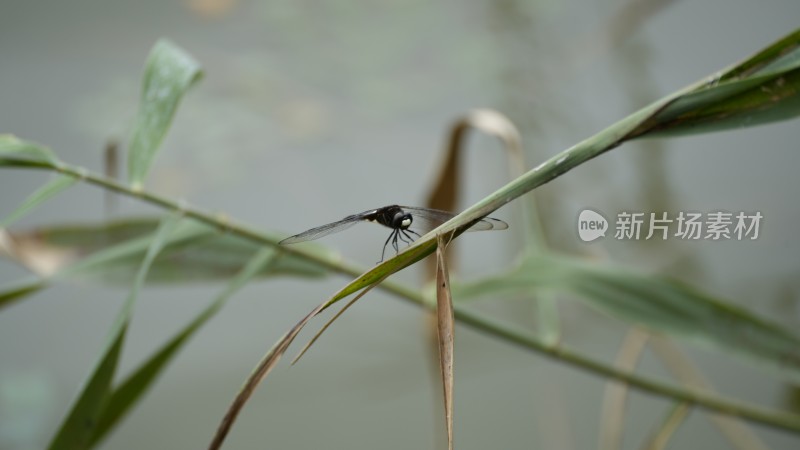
(310, 111)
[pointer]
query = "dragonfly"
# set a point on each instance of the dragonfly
(405, 222)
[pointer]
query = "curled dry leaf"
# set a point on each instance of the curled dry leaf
(36, 255)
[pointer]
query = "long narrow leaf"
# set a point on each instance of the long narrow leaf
(263, 369)
(769, 59)
(100, 261)
(13, 148)
(20, 291)
(211, 255)
(80, 423)
(105, 260)
(136, 385)
(318, 334)
(445, 327)
(655, 302)
(195, 252)
(168, 74)
(735, 104)
(764, 88)
(54, 187)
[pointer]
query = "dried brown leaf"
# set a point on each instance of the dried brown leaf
(263, 368)
(446, 325)
(269, 361)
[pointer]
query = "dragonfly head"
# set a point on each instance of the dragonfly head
(401, 220)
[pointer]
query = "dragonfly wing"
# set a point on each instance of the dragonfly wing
(318, 232)
(426, 219)
(488, 223)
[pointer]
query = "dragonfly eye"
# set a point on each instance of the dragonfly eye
(402, 221)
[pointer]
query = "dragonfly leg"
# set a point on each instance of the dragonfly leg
(410, 238)
(384, 246)
(394, 241)
(402, 235)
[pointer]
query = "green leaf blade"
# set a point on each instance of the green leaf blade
(169, 73)
(198, 253)
(138, 383)
(20, 291)
(76, 429)
(82, 420)
(657, 303)
(762, 89)
(732, 105)
(15, 150)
